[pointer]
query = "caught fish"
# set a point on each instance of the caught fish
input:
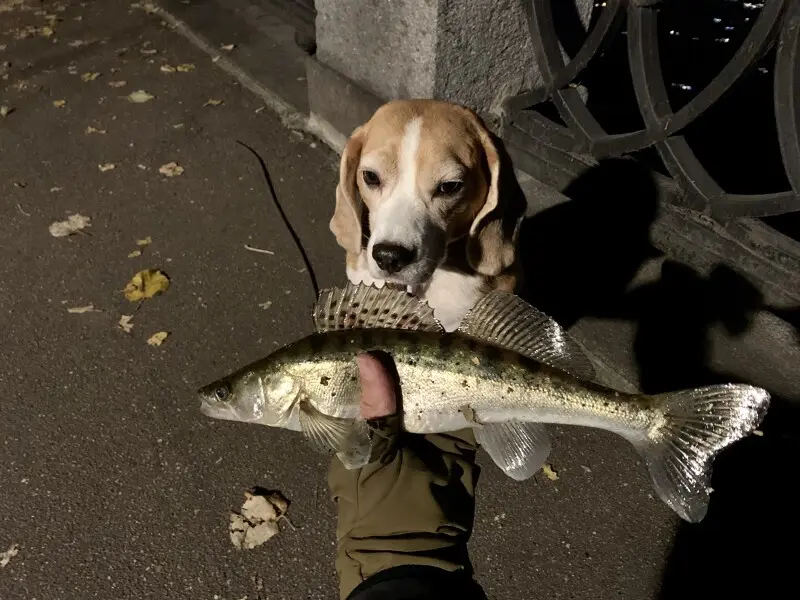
(506, 372)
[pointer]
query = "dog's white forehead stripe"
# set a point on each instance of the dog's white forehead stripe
(407, 156)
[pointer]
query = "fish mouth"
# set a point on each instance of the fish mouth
(215, 410)
(213, 407)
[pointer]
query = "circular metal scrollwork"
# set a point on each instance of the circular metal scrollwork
(777, 23)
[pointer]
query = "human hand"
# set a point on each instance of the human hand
(378, 392)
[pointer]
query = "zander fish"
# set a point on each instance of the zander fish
(506, 371)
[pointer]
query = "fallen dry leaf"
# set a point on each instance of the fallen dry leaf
(117, 84)
(73, 224)
(107, 167)
(134, 253)
(171, 169)
(59, 103)
(91, 129)
(185, 68)
(549, 472)
(5, 557)
(265, 305)
(148, 51)
(140, 96)
(167, 69)
(146, 284)
(157, 338)
(213, 102)
(79, 310)
(228, 47)
(258, 520)
(90, 76)
(6, 110)
(144, 242)
(55, 189)
(46, 31)
(125, 323)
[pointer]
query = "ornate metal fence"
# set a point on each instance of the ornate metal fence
(559, 132)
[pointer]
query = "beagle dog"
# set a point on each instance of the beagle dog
(419, 205)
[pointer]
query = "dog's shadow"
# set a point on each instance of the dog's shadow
(580, 258)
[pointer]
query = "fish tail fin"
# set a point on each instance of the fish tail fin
(694, 426)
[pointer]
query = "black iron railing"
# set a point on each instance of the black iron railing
(562, 131)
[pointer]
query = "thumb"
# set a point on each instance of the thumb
(378, 397)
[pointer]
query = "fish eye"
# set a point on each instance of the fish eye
(222, 392)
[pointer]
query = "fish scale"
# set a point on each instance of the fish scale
(507, 372)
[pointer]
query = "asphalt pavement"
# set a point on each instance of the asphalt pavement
(112, 484)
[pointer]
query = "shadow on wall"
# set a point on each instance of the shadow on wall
(580, 258)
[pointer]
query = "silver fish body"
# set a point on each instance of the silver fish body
(506, 372)
(451, 381)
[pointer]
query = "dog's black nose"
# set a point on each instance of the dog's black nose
(391, 257)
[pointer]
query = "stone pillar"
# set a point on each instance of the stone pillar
(473, 52)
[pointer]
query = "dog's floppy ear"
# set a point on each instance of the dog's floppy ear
(492, 240)
(346, 221)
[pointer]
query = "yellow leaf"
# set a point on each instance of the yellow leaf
(117, 84)
(228, 47)
(59, 103)
(134, 253)
(157, 338)
(91, 129)
(167, 69)
(549, 472)
(90, 76)
(213, 102)
(46, 31)
(185, 67)
(171, 169)
(146, 284)
(125, 323)
(140, 96)
(5, 110)
(107, 167)
(145, 242)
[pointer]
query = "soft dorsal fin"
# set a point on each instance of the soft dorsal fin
(367, 307)
(506, 320)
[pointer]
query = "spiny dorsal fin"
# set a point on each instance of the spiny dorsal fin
(506, 320)
(367, 307)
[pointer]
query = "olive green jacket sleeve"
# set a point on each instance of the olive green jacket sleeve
(412, 505)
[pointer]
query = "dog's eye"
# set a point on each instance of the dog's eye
(448, 188)
(371, 178)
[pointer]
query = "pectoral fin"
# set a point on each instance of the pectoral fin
(347, 438)
(519, 449)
